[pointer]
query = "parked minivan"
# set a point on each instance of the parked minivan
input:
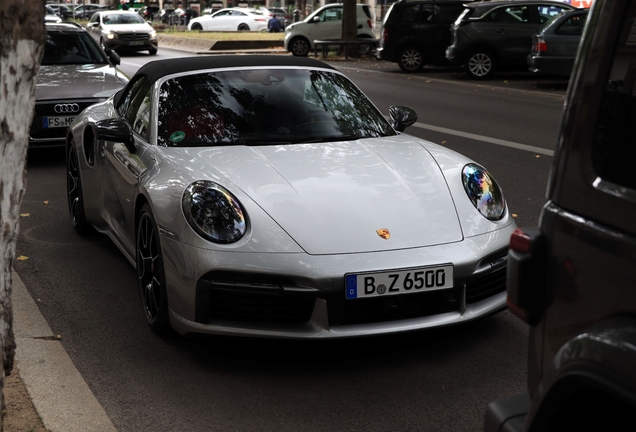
(325, 23)
(573, 278)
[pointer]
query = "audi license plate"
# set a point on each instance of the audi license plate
(402, 281)
(135, 43)
(57, 122)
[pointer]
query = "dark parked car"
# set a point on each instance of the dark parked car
(148, 12)
(75, 74)
(573, 279)
(495, 34)
(554, 48)
(415, 33)
(86, 11)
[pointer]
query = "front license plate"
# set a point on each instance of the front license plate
(402, 281)
(136, 43)
(57, 122)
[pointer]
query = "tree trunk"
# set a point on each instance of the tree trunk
(349, 26)
(22, 36)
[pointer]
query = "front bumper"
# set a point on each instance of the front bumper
(123, 44)
(302, 296)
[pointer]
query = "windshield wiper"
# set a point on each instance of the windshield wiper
(334, 138)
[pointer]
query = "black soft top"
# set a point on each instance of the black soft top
(160, 68)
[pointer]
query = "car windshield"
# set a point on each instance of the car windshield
(63, 48)
(122, 19)
(265, 106)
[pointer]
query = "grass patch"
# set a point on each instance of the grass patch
(227, 36)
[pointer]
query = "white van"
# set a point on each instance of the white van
(325, 23)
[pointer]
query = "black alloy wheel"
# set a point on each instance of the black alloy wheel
(480, 65)
(243, 27)
(197, 27)
(152, 51)
(410, 59)
(74, 192)
(299, 46)
(150, 274)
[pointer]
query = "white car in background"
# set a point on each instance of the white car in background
(230, 19)
(325, 23)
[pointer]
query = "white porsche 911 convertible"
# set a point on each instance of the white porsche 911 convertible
(267, 196)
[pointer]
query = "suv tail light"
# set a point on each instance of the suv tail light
(540, 46)
(384, 36)
(369, 23)
(526, 278)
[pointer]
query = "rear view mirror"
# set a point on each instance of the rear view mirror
(115, 130)
(402, 117)
(114, 58)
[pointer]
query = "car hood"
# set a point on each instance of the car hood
(332, 198)
(78, 81)
(128, 28)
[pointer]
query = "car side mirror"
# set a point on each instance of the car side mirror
(402, 117)
(315, 19)
(114, 58)
(115, 130)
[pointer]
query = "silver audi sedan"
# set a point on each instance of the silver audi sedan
(267, 196)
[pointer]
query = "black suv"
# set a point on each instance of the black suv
(415, 33)
(573, 279)
(494, 34)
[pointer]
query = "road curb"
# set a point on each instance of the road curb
(59, 393)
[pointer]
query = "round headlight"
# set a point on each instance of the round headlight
(213, 212)
(484, 192)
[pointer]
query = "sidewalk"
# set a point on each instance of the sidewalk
(60, 395)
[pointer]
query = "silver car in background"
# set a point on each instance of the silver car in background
(75, 73)
(123, 31)
(555, 46)
(267, 196)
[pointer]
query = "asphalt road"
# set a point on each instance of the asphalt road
(440, 380)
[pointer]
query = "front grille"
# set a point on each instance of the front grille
(486, 286)
(260, 307)
(241, 297)
(380, 309)
(46, 109)
(128, 37)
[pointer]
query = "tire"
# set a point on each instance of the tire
(152, 51)
(364, 49)
(243, 27)
(196, 27)
(411, 59)
(74, 192)
(480, 65)
(150, 273)
(299, 46)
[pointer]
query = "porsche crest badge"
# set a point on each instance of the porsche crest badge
(384, 233)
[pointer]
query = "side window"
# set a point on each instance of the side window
(409, 13)
(446, 14)
(94, 18)
(135, 106)
(513, 15)
(573, 26)
(548, 12)
(616, 131)
(331, 14)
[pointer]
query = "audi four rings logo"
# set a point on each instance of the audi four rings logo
(66, 108)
